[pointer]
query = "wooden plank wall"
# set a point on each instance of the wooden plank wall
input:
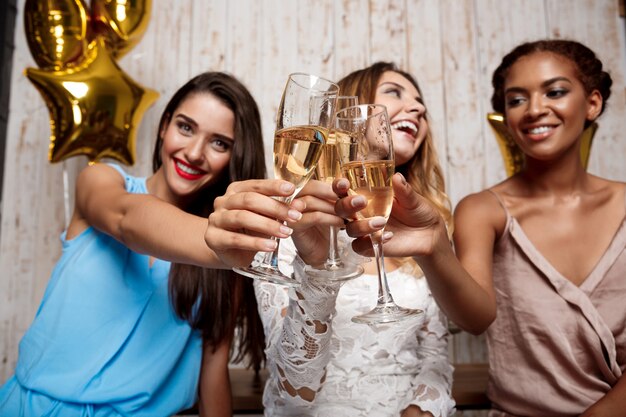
(451, 45)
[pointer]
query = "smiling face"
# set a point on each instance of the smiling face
(407, 114)
(546, 105)
(197, 144)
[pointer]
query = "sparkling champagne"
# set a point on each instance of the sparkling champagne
(296, 153)
(328, 166)
(371, 179)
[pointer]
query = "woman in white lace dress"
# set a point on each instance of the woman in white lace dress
(320, 362)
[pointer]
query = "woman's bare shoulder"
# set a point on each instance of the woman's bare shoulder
(486, 199)
(603, 190)
(485, 210)
(99, 172)
(610, 185)
(98, 186)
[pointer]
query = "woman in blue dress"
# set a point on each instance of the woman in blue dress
(113, 335)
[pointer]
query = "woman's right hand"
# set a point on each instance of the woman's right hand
(246, 215)
(414, 227)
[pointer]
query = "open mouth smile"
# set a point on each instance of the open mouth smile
(406, 126)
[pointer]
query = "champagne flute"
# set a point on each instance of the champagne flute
(365, 148)
(304, 117)
(328, 168)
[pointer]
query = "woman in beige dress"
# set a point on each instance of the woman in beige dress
(542, 254)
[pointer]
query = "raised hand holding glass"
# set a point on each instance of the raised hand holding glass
(304, 117)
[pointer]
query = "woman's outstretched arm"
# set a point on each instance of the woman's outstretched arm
(144, 223)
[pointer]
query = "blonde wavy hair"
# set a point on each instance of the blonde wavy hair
(423, 171)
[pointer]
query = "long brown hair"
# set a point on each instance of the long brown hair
(423, 170)
(216, 301)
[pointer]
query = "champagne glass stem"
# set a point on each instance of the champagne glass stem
(271, 258)
(333, 261)
(334, 268)
(386, 310)
(268, 269)
(384, 294)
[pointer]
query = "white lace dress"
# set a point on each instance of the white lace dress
(352, 369)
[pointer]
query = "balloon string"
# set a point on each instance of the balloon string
(66, 196)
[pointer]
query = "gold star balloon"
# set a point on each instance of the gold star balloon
(513, 157)
(95, 108)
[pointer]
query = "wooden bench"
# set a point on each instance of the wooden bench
(468, 389)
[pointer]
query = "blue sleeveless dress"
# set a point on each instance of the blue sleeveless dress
(105, 340)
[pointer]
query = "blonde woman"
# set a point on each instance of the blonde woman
(320, 362)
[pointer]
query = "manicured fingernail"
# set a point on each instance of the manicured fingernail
(387, 236)
(343, 183)
(358, 201)
(294, 215)
(377, 222)
(286, 230)
(270, 245)
(287, 187)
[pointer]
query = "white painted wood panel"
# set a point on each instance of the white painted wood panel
(424, 59)
(388, 31)
(464, 135)
(451, 47)
(351, 40)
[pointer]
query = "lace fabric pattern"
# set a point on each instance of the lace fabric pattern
(323, 364)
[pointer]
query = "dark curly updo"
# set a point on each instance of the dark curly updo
(588, 67)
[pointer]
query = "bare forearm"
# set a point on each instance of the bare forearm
(143, 222)
(159, 229)
(463, 300)
(215, 396)
(216, 401)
